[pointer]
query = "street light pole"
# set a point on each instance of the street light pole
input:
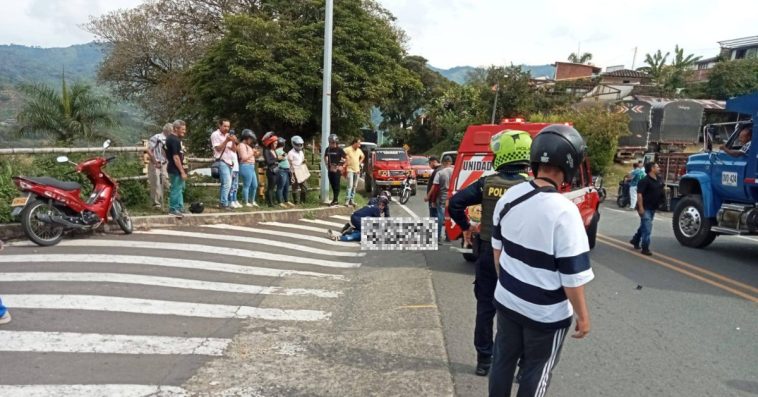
(326, 104)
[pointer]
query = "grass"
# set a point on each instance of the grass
(614, 175)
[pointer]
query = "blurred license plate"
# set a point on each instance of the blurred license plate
(20, 201)
(397, 183)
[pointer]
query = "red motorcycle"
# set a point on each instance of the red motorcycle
(51, 207)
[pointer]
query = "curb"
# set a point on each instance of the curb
(13, 231)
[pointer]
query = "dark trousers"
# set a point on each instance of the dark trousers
(433, 212)
(484, 291)
(272, 180)
(538, 349)
(334, 181)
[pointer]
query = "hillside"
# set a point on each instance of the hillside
(20, 64)
(459, 74)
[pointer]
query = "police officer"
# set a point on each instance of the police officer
(511, 149)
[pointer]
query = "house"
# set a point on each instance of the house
(574, 71)
(625, 76)
(703, 69)
(746, 47)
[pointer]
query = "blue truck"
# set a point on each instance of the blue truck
(718, 194)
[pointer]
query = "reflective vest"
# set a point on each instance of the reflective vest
(494, 188)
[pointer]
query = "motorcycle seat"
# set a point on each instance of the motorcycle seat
(45, 180)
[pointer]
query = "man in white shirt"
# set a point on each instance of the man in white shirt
(744, 139)
(224, 149)
(157, 173)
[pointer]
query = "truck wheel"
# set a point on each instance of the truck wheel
(369, 183)
(592, 230)
(374, 189)
(691, 227)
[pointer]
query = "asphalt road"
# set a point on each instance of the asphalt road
(680, 323)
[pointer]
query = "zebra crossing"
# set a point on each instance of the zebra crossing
(138, 315)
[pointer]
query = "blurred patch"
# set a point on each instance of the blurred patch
(399, 234)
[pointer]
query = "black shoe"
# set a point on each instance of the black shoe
(635, 245)
(646, 252)
(483, 366)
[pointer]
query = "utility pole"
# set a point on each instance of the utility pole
(494, 104)
(326, 104)
(634, 58)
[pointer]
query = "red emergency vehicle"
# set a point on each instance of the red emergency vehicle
(474, 161)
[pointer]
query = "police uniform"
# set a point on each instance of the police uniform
(485, 191)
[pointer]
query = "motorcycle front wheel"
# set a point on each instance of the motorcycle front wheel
(404, 196)
(121, 216)
(41, 233)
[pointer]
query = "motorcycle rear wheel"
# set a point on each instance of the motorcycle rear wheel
(41, 233)
(121, 216)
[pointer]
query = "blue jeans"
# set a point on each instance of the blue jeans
(249, 182)
(2, 308)
(176, 193)
(283, 188)
(352, 184)
(234, 186)
(642, 237)
(225, 177)
(354, 236)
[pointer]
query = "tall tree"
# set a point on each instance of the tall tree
(732, 78)
(655, 65)
(680, 69)
(580, 58)
(72, 114)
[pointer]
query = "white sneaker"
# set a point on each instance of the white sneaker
(236, 204)
(248, 205)
(255, 205)
(6, 318)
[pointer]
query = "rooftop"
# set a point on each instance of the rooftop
(739, 43)
(626, 73)
(595, 69)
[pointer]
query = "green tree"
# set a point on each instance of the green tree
(732, 78)
(655, 65)
(72, 114)
(583, 58)
(675, 76)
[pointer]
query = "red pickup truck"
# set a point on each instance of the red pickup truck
(474, 161)
(386, 169)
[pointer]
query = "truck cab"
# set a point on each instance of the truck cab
(387, 168)
(474, 160)
(719, 193)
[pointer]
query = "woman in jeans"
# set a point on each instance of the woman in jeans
(247, 154)
(283, 190)
(270, 141)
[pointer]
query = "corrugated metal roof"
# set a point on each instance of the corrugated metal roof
(626, 73)
(707, 103)
(739, 43)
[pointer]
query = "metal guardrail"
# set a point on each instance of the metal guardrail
(63, 150)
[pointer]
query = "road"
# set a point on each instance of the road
(680, 323)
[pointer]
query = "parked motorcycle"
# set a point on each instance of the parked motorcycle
(405, 194)
(597, 182)
(50, 207)
(623, 199)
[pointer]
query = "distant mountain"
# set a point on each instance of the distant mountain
(459, 74)
(20, 64)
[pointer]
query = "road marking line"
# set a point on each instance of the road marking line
(341, 217)
(295, 226)
(253, 240)
(695, 267)
(208, 249)
(323, 222)
(163, 262)
(71, 342)
(320, 240)
(417, 307)
(408, 210)
(152, 306)
(657, 218)
(91, 391)
(168, 282)
(680, 270)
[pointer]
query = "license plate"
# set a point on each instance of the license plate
(20, 201)
(397, 183)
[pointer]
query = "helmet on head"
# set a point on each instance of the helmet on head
(197, 207)
(282, 140)
(560, 146)
(333, 138)
(510, 147)
(387, 194)
(297, 142)
(383, 200)
(271, 139)
(247, 133)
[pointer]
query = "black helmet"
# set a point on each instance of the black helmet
(560, 146)
(248, 133)
(383, 200)
(197, 207)
(333, 138)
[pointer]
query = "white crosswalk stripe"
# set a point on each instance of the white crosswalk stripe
(186, 301)
(322, 222)
(164, 282)
(71, 342)
(341, 217)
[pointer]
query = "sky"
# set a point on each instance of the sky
(474, 32)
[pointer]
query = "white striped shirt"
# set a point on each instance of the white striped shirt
(544, 248)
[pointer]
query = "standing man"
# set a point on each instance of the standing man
(177, 175)
(440, 187)
(650, 194)
(334, 158)
(542, 252)
(354, 156)
(634, 179)
(224, 149)
(434, 163)
(511, 149)
(157, 171)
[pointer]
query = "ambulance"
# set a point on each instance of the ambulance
(474, 161)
